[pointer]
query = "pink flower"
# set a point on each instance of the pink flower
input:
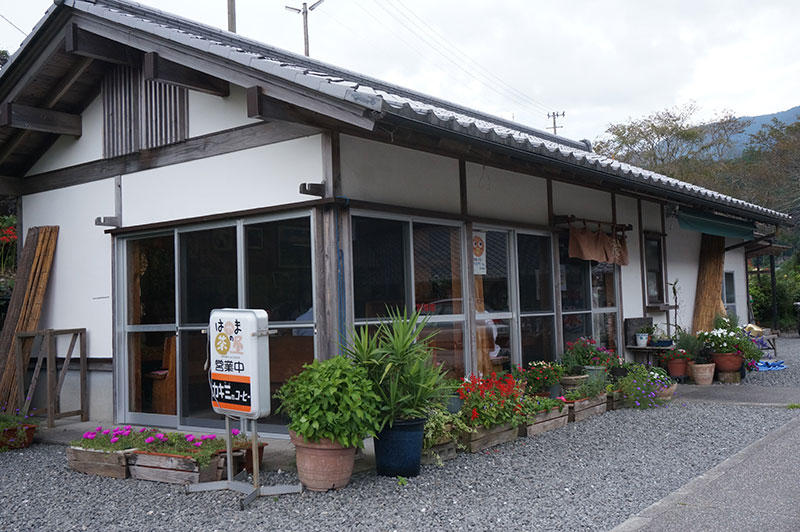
(142, 430)
(90, 435)
(106, 431)
(149, 439)
(114, 439)
(235, 432)
(198, 444)
(99, 429)
(212, 436)
(561, 397)
(190, 438)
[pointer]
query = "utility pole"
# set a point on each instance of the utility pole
(554, 116)
(232, 16)
(304, 11)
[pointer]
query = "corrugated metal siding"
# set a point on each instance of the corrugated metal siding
(140, 113)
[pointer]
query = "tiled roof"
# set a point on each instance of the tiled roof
(391, 99)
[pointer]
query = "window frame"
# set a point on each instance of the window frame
(649, 236)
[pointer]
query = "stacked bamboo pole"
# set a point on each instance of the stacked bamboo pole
(708, 297)
(25, 307)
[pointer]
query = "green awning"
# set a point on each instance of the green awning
(713, 224)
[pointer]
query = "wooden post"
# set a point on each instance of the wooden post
(84, 371)
(50, 342)
(774, 293)
(708, 298)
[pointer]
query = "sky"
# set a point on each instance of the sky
(597, 61)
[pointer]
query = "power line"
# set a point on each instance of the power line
(511, 90)
(304, 11)
(554, 116)
(17, 27)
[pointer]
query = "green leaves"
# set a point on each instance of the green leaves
(333, 399)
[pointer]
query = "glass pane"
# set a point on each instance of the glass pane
(152, 372)
(730, 289)
(379, 265)
(652, 254)
(208, 264)
(289, 350)
(538, 338)
(535, 273)
(605, 330)
(448, 347)
(493, 345)
(278, 262)
(574, 280)
(151, 280)
(196, 392)
(577, 325)
(603, 293)
(491, 275)
(437, 268)
(654, 287)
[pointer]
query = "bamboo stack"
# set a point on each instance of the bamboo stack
(708, 298)
(25, 307)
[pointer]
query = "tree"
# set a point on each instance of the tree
(3, 58)
(672, 143)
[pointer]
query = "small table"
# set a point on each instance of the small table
(649, 353)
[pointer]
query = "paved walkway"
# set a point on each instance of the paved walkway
(730, 496)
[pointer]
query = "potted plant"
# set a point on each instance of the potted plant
(491, 408)
(644, 386)
(104, 451)
(176, 457)
(691, 344)
(677, 361)
(725, 342)
(331, 407)
(643, 335)
(399, 362)
(585, 401)
(660, 339)
(583, 356)
(16, 431)
(541, 414)
(539, 377)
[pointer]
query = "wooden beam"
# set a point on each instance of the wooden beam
(37, 119)
(86, 44)
(171, 73)
(262, 106)
(245, 137)
(10, 186)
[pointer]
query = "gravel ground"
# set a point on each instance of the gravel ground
(590, 475)
(789, 352)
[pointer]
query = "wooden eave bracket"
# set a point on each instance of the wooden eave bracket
(264, 107)
(160, 69)
(10, 186)
(36, 119)
(84, 43)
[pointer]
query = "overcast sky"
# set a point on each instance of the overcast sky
(598, 61)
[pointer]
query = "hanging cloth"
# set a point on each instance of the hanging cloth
(616, 249)
(584, 244)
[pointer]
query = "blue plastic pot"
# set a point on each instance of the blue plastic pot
(398, 449)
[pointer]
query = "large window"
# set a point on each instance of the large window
(408, 264)
(729, 293)
(588, 299)
(536, 310)
(493, 315)
(264, 263)
(654, 267)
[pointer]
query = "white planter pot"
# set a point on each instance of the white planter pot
(641, 339)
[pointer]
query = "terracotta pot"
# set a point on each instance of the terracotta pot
(727, 362)
(689, 367)
(570, 382)
(324, 465)
(677, 367)
(668, 392)
(703, 373)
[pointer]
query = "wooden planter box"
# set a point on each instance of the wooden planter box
(94, 462)
(586, 408)
(443, 452)
(171, 468)
(614, 400)
(544, 421)
(484, 438)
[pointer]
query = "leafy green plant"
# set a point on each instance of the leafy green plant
(399, 362)
(793, 406)
(14, 421)
(586, 390)
(539, 376)
(442, 427)
(490, 401)
(333, 399)
(641, 385)
(530, 406)
(402, 481)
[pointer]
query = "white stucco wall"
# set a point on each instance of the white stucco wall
(683, 252)
(79, 288)
(69, 150)
(631, 274)
(378, 172)
(581, 201)
(247, 179)
(651, 216)
(208, 113)
(495, 193)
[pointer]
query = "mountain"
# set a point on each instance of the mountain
(740, 141)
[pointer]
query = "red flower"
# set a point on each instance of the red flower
(474, 414)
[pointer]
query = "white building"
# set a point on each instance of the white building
(227, 173)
